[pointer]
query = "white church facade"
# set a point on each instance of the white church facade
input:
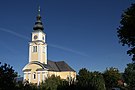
(39, 67)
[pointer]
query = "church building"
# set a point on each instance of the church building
(39, 67)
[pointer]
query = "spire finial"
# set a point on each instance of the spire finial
(38, 9)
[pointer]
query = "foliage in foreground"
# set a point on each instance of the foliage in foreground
(111, 77)
(90, 80)
(7, 77)
(86, 80)
(129, 75)
(51, 83)
(126, 30)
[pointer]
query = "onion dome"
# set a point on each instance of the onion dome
(38, 24)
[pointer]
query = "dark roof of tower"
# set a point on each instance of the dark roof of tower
(38, 24)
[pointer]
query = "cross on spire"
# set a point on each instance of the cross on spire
(38, 9)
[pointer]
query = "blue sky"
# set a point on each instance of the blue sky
(80, 32)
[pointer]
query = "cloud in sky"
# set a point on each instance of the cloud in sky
(69, 50)
(14, 33)
(51, 45)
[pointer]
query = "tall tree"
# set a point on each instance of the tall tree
(126, 30)
(7, 77)
(111, 77)
(129, 75)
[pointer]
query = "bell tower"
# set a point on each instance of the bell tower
(37, 45)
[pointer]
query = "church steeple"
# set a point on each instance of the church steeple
(39, 67)
(38, 24)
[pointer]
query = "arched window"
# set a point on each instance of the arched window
(34, 75)
(34, 48)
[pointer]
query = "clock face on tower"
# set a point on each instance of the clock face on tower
(35, 37)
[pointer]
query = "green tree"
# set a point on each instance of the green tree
(129, 75)
(51, 83)
(97, 81)
(25, 85)
(87, 80)
(83, 78)
(7, 77)
(126, 30)
(111, 77)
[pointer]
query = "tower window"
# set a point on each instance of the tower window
(34, 76)
(43, 49)
(34, 48)
(43, 38)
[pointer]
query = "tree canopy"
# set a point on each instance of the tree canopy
(126, 30)
(129, 75)
(7, 77)
(111, 77)
(87, 80)
(51, 83)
